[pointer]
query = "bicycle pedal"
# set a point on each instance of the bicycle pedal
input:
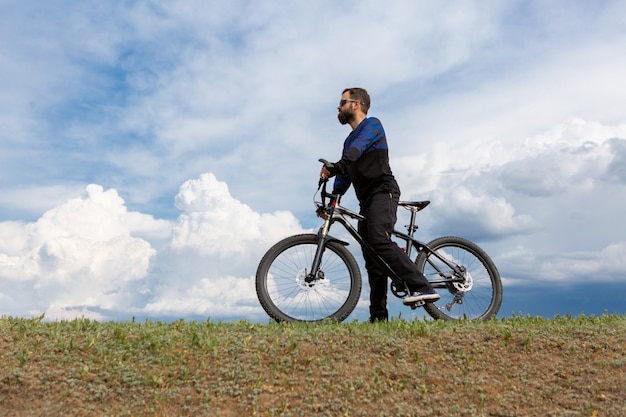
(417, 304)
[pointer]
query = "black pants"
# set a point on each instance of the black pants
(380, 211)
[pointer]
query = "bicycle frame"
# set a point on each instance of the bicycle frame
(336, 213)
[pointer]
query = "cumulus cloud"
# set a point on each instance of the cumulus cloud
(498, 192)
(214, 223)
(226, 297)
(81, 253)
(573, 156)
(605, 265)
(93, 257)
(477, 217)
(556, 170)
(217, 242)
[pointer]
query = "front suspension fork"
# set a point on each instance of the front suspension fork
(322, 237)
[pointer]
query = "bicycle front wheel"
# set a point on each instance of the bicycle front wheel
(286, 296)
(471, 289)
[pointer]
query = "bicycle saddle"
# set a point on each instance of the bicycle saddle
(416, 205)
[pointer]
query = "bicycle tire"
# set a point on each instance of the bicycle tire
(481, 292)
(285, 296)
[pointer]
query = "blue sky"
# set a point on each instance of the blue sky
(152, 151)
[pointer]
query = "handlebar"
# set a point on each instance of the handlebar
(327, 165)
(325, 162)
(322, 185)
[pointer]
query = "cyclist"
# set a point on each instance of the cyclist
(365, 164)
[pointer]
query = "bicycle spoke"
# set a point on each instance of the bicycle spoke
(289, 296)
(472, 293)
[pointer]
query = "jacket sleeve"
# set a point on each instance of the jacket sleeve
(340, 169)
(342, 184)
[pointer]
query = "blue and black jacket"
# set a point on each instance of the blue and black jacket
(365, 162)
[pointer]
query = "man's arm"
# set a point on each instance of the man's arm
(342, 184)
(342, 181)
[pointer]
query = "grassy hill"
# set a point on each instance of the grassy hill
(519, 366)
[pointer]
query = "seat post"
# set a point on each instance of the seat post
(411, 227)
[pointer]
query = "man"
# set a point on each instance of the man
(365, 164)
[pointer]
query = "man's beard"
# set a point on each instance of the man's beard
(345, 117)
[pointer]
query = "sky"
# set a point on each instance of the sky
(152, 151)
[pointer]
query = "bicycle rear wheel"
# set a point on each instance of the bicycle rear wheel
(286, 296)
(478, 296)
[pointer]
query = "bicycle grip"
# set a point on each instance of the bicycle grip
(326, 163)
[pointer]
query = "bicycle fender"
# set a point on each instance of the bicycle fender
(334, 239)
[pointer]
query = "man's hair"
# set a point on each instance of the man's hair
(360, 94)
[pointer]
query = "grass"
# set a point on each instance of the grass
(518, 366)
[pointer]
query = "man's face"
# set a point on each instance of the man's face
(346, 111)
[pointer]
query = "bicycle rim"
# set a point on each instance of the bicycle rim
(286, 296)
(477, 298)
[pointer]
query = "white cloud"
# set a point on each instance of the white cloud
(214, 223)
(85, 257)
(217, 243)
(487, 196)
(13, 237)
(570, 156)
(81, 253)
(605, 265)
(226, 297)
(477, 217)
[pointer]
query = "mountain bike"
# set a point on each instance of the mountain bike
(314, 277)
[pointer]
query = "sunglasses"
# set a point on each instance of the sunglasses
(345, 100)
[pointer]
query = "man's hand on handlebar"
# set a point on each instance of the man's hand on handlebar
(324, 173)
